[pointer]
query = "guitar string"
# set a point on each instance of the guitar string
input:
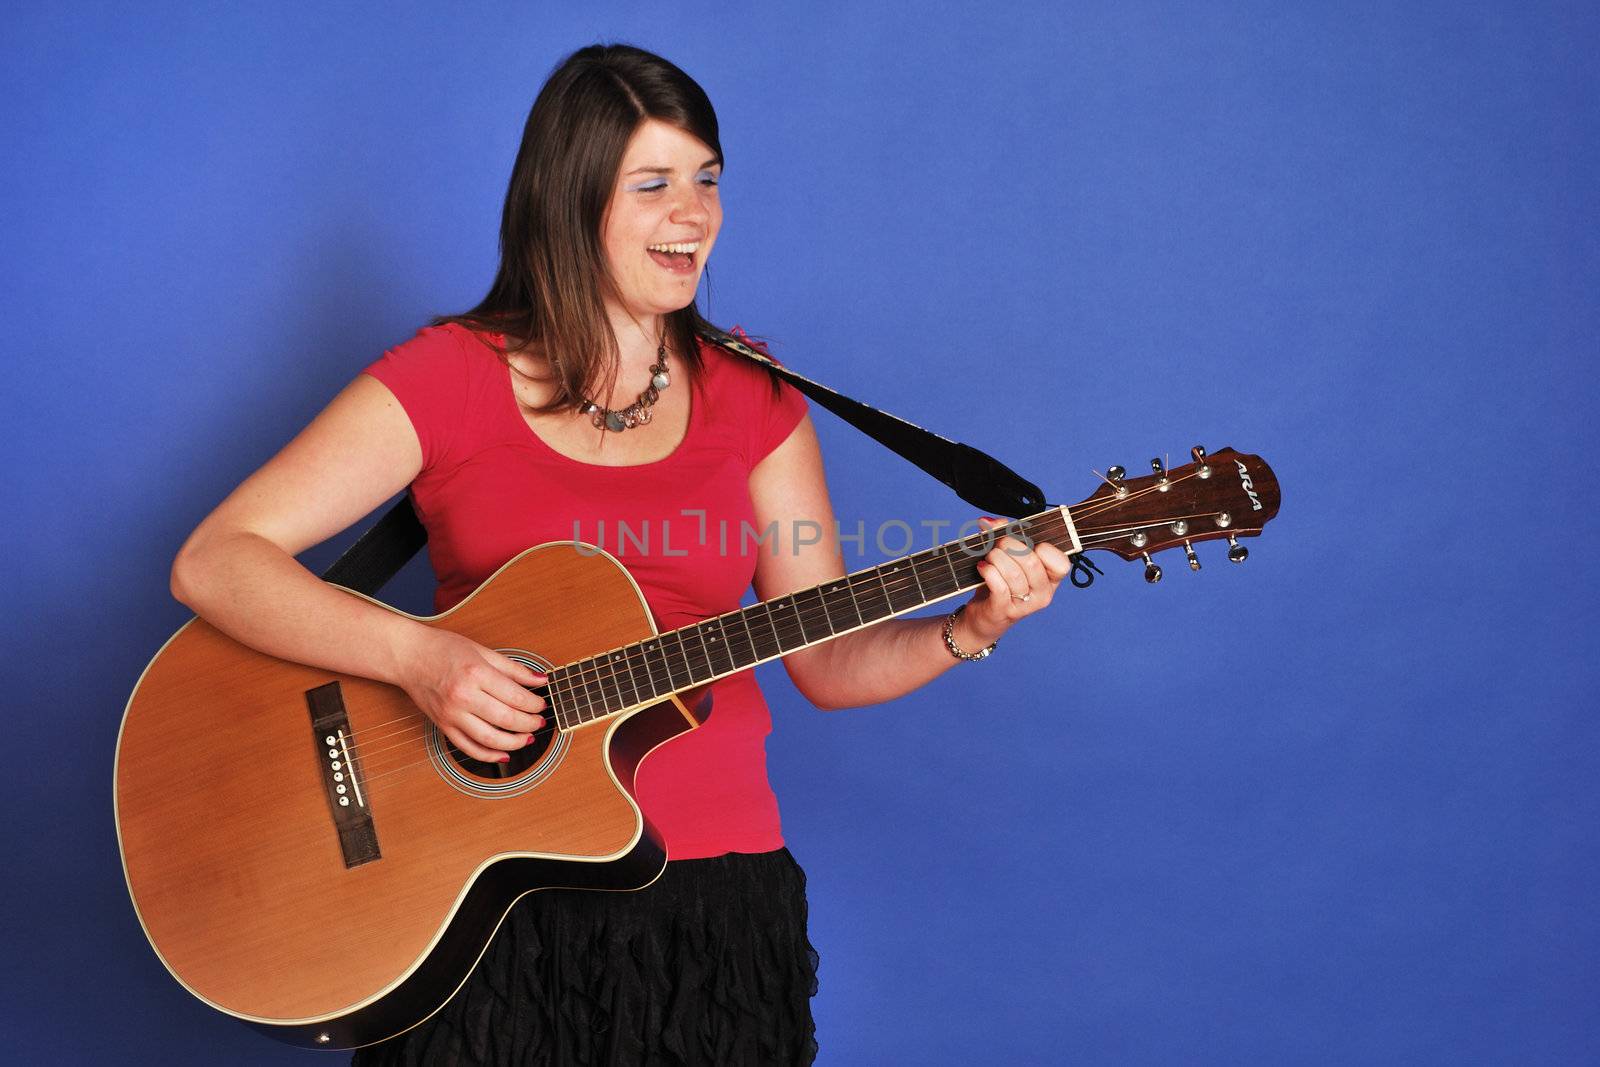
(1042, 519)
(793, 630)
(789, 635)
(590, 680)
(589, 675)
(995, 533)
(374, 772)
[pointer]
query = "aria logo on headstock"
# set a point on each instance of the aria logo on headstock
(1249, 486)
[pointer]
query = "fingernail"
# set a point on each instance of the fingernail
(506, 758)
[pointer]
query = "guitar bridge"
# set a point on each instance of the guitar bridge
(341, 775)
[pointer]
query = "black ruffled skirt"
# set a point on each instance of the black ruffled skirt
(709, 965)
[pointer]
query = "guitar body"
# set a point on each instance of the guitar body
(226, 813)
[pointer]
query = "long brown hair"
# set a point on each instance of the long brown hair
(548, 290)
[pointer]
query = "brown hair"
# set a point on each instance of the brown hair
(552, 265)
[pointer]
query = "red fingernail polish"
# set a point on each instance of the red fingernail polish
(506, 758)
(528, 742)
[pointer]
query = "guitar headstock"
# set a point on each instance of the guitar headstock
(1224, 495)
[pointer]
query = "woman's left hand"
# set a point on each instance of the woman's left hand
(1018, 580)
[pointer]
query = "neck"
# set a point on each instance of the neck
(652, 670)
(638, 337)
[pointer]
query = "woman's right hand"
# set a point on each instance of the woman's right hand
(475, 695)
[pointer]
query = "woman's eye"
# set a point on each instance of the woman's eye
(651, 187)
(707, 179)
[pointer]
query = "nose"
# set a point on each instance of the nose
(690, 207)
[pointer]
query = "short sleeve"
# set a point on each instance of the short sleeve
(429, 376)
(774, 414)
(783, 413)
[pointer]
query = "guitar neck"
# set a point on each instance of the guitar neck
(691, 656)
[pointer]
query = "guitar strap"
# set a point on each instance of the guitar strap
(977, 478)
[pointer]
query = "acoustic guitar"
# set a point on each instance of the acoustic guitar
(307, 853)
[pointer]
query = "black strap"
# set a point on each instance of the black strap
(978, 478)
(378, 554)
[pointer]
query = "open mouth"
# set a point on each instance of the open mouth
(676, 257)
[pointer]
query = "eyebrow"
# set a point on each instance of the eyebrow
(713, 162)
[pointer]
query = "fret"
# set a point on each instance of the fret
(813, 616)
(871, 599)
(655, 666)
(593, 694)
(579, 695)
(575, 697)
(639, 671)
(902, 595)
(624, 658)
(764, 637)
(1038, 529)
(836, 597)
(850, 587)
(716, 643)
(704, 653)
(785, 624)
(741, 646)
(626, 682)
(677, 661)
(605, 674)
(910, 564)
(948, 554)
(555, 700)
(681, 677)
(935, 582)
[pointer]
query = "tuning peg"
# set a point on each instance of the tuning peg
(1152, 571)
(1114, 478)
(1161, 474)
(1194, 560)
(1198, 453)
(1237, 553)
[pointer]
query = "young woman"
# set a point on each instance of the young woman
(576, 392)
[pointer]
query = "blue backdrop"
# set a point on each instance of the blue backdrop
(1336, 805)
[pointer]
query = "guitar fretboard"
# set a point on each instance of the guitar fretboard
(653, 669)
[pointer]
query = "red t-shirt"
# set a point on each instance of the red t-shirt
(490, 487)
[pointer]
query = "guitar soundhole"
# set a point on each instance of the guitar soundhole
(521, 759)
(526, 768)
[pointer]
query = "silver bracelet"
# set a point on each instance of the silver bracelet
(950, 641)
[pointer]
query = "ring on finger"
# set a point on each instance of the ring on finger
(1023, 599)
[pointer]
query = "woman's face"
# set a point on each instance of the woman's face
(662, 220)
